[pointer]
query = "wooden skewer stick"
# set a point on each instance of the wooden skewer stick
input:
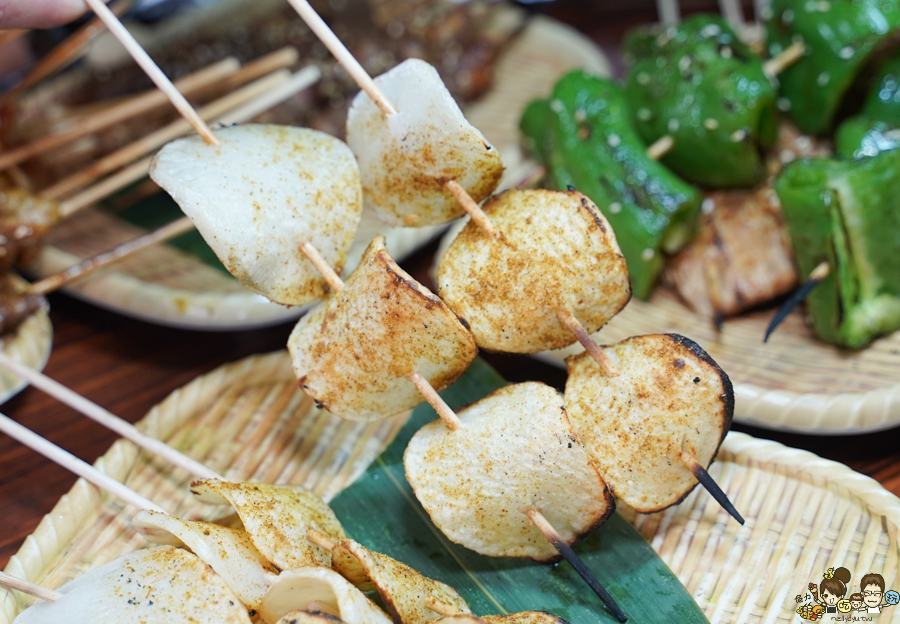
(669, 12)
(62, 55)
(157, 139)
(785, 59)
(8, 36)
(73, 464)
(160, 235)
(538, 519)
(152, 70)
(733, 12)
(815, 278)
(709, 483)
(320, 540)
(660, 147)
(567, 318)
(431, 395)
(106, 418)
(299, 81)
(441, 608)
(38, 591)
(365, 82)
(128, 109)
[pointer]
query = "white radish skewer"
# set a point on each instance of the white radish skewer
(365, 82)
(106, 418)
(74, 464)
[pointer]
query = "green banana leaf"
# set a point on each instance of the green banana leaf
(160, 209)
(381, 512)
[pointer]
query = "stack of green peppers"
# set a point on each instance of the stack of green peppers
(877, 127)
(698, 83)
(583, 134)
(845, 213)
(840, 37)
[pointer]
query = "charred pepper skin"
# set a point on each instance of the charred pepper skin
(844, 213)
(698, 83)
(583, 135)
(841, 37)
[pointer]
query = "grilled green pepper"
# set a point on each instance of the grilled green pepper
(844, 213)
(698, 83)
(583, 135)
(877, 128)
(840, 37)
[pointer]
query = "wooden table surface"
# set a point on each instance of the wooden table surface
(128, 366)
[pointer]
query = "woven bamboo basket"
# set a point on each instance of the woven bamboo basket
(30, 345)
(248, 420)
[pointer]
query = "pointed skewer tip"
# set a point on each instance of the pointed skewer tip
(711, 486)
(815, 278)
(544, 526)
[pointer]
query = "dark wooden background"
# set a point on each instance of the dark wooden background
(128, 366)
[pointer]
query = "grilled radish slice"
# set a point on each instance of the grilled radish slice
(669, 399)
(514, 451)
(355, 351)
(277, 519)
(261, 194)
(557, 253)
(404, 592)
(406, 158)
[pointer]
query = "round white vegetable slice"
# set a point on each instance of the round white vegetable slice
(669, 397)
(229, 551)
(404, 591)
(354, 352)
(261, 194)
(514, 451)
(319, 589)
(557, 253)
(162, 585)
(277, 518)
(406, 158)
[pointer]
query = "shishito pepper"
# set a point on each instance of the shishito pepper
(698, 83)
(582, 133)
(840, 37)
(844, 213)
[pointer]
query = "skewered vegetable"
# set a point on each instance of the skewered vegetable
(355, 351)
(840, 37)
(844, 213)
(514, 451)
(226, 550)
(877, 127)
(407, 157)
(24, 218)
(670, 399)
(164, 584)
(277, 518)
(303, 187)
(583, 134)
(557, 253)
(700, 84)
(404, 592)
(317, 589)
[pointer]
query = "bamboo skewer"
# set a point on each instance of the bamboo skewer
(150, 68)
(297, 82)
(62, 55)
(567, 318)
(73, 464)
(157, 139)
(710, 484)
(128, 109)
(440, 608)
(106, 418)
(538, 519)
(38, 591)
(822, 270)
(8, 36)
(669, 12)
